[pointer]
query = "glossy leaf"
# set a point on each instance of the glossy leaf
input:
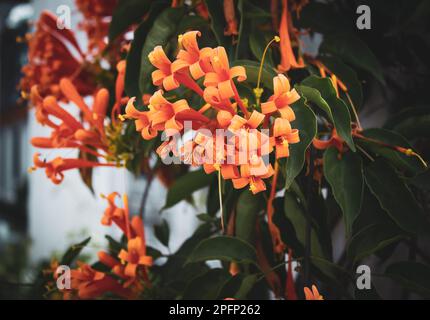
(320, 91)
(127, 13)
(252, 69)
(162, 232)
(185, 185)
(354, 51)
(223, 248)
(401, 161)
(395, 197)
(132, 71)
(207, 285)
(247, 210)
(216, 13)
(372, 239)
(296, 214)
(344, 173)
(413, 275)
(348, 76)
(73, 252)
(306, 123)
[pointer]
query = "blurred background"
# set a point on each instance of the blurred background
(39, 219)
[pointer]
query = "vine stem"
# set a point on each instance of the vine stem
(220, 200)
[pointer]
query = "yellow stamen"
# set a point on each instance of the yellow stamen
(259, 91)
(122, 117)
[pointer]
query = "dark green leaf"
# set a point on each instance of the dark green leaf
(306, 123)
(252, 69)
(216, 13)
(134, 56)
(73, 252)
(186, 185)
(414, 276)
(223, 248)
(247, 284)
(348, 76)
(248, 208)
(207, 285)
(401, 161)
(125, 14)
(372, 239)
(162, 233)
(296, 214)
(344, 173)
(321, 92)
(352, 50)
(395, 197)
(257, 42)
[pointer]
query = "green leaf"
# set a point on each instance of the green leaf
(162, 233)
(247, 284)
(132, 71)
(185, 185)
(223, 248)
(306, 123)
(411, 122)
(354, 51)
(216, 13)
(321, 92)
(86, 174)
(345, 176)
(257, 42)
(395, 197)
(296, 214)
(247, 210)
(399, 160)
(348, 76)
(372, 239)
(207, 285)
(334, 272)
(164, 28)
(252, 69)
(414, 276)
(73, 252)
(242, 39)
(125, 14)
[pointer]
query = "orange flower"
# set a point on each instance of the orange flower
(97, 16)
(335, 140)
(230, 18)
(288, 59)
(281, 99)
(191, 56)
(135, 256)
(283, 135)
(54, 169)
(142, 122)
(165, 76)
(222, 75)
(249, 176)
(312, 295)
(91, 284)
(52, 55)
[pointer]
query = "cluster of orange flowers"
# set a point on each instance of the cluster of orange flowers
(219, 93)
(54, 54)
(128, 271)
(86, 135)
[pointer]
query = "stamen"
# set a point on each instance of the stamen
(259, 91)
